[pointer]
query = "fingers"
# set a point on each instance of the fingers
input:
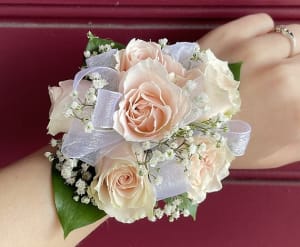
(267, 49)
(227, 37)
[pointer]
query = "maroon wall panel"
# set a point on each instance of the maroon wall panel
(41, 42)
(248, 215)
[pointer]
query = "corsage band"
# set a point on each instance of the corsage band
(147, 131)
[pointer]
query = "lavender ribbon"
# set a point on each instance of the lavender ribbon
(107, 102)
(182, 53)
(106, 59)
(88, 146)
(174, 180)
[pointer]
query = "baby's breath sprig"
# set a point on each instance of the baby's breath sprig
(87, 54)
(75, 173)
(163, 42)
(180, 145)
(145, 162)
(98, 81)
(199, 55)
(212, 126)
(106, 47)
(81, 108)
(97, 46)
(196, 56)
(176, 206)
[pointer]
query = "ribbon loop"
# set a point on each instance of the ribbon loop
(87, 146)
(105, 107)
(174, 181)
(106, 59)
(182, 52)
(238, 136)
(108, 74)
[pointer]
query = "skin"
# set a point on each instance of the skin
(269, 91)
(269, 87)
(27, 206)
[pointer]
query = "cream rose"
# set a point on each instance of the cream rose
(152, 105)
(60, 99)
(214, 79)
(119, 190)
(138, 50)
(205, 173)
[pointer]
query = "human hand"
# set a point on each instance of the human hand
(269, 87)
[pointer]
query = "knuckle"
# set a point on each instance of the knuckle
(265, 18)
(261, 21)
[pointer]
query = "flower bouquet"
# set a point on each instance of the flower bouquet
(147, 131)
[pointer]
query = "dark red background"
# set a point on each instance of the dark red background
(41, 42)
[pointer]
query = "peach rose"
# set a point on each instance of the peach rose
(138, 50)
(152, 105)
(119, 190)
(205, 173)
(214, 78)
(60, 99)
(175, 69)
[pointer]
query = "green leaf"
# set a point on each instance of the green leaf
(186, 204)
(193, 210)
(95, 42)
(236, 70)
(189, 205)
(72, 215)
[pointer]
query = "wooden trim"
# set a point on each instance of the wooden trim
(155, 13)
(289, 173)
(168, 3)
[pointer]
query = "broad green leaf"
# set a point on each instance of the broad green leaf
(72, 215)
(94, 43)
(236, 70)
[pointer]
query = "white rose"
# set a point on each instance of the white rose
(214, 79)
(60, 99)
(119, 190)
(205, 173)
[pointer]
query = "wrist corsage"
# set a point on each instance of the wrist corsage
(147, 131)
